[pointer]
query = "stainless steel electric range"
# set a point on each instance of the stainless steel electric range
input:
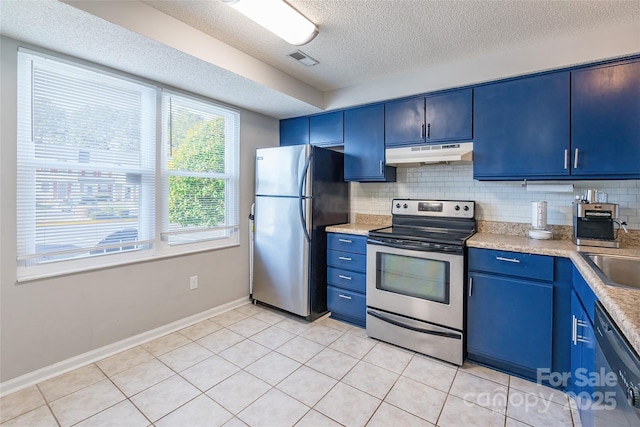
(415, 277)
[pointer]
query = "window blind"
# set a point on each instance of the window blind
(86, 162)
(200, 176)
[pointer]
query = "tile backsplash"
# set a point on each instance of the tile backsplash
(505, 201)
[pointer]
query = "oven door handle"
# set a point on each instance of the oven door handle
(409, 246)
(382, 243)
(404, 245)
(413, 328)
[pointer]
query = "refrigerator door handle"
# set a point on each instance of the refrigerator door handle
(302, 197)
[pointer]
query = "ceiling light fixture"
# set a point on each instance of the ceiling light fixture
(278, 17)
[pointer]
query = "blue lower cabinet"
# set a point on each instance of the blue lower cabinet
(346, 305)
(346, 277)
(583, 349)
(510, 323)
(518, 313)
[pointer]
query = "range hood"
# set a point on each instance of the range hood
(427, 154)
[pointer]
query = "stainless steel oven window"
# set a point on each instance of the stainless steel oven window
(422, 278)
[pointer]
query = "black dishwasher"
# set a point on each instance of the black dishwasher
(617, 392)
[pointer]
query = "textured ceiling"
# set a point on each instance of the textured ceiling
(62, 28)
(364, 40)
(360, 42)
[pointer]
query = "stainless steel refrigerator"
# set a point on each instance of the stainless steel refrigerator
(299, 191)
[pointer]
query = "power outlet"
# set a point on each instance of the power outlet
(193, 282)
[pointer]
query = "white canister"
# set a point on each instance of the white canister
(539, 215)
(539, 221)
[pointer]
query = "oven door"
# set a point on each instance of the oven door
(427, 286)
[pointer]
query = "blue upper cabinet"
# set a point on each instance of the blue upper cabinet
(327, 130)
(521, 128)
(449, 116)
(605, 121)
(434, 119)
(404, 122)
(364, 158)
(294, 131)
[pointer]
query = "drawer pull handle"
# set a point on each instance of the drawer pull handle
(344, 296)
(344, 277)
(515, 260)
(344, 258)
(345, 240)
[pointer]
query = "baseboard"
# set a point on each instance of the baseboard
(80, 360)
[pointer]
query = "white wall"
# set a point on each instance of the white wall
(611, 42)
(46, 321)
(495, 201)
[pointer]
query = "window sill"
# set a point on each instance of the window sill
(25, 278)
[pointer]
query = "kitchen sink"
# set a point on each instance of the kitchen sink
(615, 270)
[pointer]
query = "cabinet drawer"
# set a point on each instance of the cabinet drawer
(346, 303)
(349, 261)
(347, 243)
(346, 279)
(512, 264)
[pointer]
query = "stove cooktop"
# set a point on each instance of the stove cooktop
(449, 222)
(420, 234)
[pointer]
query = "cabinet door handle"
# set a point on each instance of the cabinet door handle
(344, 258)
(428, 130)
(422, 131)
(381, 172)
(344, 277)
(566, 158)
(470, 285)
(515, 260)
(574, 330)
(575, 160)
(345, 240)
(344, 296)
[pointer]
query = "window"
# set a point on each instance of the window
(91, 189)
(200, 176)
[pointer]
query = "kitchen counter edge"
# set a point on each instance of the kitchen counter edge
(353, 228)
(621, 303)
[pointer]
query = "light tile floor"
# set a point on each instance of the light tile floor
(255, 366)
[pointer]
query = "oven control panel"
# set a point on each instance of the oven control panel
(434, 208)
